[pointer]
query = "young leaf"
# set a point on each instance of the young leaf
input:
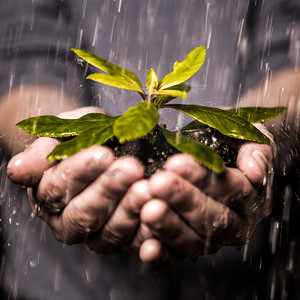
(182, 71)
(163, 99)
(152, 81)
(97, 136)
(136, 122)
(224, 121)
(204, 154)
(258, 114)
(172, 93)
(111, 69)
(52, 126)
(115, 81)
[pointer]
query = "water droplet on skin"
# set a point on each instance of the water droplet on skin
(250, 164)
(18, 162)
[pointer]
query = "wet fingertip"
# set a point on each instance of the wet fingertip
(188, 168)
(180, 164)
(101, 158)
(132, 165)
(163, 184)
(150, 251)
(153, 213)
(137, 196)
(254, 167)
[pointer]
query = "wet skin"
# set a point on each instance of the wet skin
(184, 211)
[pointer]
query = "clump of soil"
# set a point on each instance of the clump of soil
(153, 150)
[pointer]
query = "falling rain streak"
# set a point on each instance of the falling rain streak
(139, 35)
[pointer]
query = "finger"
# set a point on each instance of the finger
(142, 234)
(154, 253)
(188, 168)
(28, 167)
(65, 180)
(206, 216)
(172, 231)
(90, 209)
(254, 160)
(123, 223)
(230, 187)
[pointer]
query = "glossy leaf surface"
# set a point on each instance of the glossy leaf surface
(115, 81)
(163, 99)
(224, 121)
(182, 71)
(172, 93)
(98, 136)
(258, 114)
(136, 122)
(111, 69)
(204, 154)
(194, 126)
(52, 126)
(151, 81)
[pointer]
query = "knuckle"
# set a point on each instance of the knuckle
(219, 224)
(84, 223)
(50, 190)
(114, 236)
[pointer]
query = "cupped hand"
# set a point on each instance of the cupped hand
(193, 211)
(89, 197)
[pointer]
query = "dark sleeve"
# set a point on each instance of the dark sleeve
(35, 42)
(272, 38)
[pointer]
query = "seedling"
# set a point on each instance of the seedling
(142, 119)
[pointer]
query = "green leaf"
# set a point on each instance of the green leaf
(52, 126)
(194, 126)
(111, 69)
(172, 93)
(204, 154)
(136, 122)
(182, 71)
(152, 81)
(115, 81)
(98, 136)
(258, 114)
(224, 121)
(163, 99)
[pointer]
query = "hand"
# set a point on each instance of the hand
(194, 211)
(87, 198)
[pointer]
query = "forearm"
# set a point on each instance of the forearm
(281, 89)
(24, 102)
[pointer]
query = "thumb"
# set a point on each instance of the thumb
(255, 159)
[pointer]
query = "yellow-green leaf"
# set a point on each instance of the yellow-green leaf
(172, 93)
(111, 69)
(163, 99)
(136, 122)
(97, 136)
(52, 126)
(151, 81)
(182, 71)
(204, 154)
(115, 81)
(258, 114)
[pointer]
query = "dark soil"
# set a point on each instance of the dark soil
(153, 151)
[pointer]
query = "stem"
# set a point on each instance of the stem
(143, 95)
